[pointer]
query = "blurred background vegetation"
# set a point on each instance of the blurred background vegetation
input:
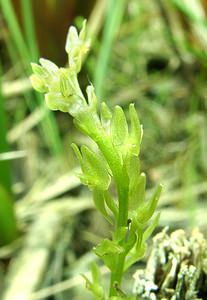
(153, 53)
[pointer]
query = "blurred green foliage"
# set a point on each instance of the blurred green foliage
(154, 54)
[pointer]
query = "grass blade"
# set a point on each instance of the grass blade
(5, 169)
(113, 19)
(28, 52)
(8, 229)
(29, 29)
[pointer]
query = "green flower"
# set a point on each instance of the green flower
(60, 85)
(76, 47)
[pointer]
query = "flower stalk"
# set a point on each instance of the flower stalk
(115, 161)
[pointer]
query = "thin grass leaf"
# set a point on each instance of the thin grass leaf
(113, 19)
(5, 167)
(29, 29)
(14, 28)
(48, 125)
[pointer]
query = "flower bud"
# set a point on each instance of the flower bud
(38, 84)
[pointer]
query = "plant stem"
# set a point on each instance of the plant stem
(117, 274)
(122, 184)
(123, 202)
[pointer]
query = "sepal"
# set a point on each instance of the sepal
(56, 101)
(38, 84)
(39, 70)
(66, 87)
(92, 99)
(94, 167)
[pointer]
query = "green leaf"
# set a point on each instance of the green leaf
(130, 240)
(133, 167)
(145, 212)
(119, 127)
(88, 123)
(151, 227)
(135, 132)
(95, 273)
(137, 187)
(108, 251)
(106, 116)
(139, 249)
(95, 285)
(111, 203)
(95, 169)
(77, 152)
(136, 253)
(107, 247)
(99, 201)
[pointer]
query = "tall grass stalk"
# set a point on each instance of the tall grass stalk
(113, 19)
(28, 23)
(28, 51)
(7, 219)
(5, 170)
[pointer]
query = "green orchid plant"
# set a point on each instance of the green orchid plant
(113, 163)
